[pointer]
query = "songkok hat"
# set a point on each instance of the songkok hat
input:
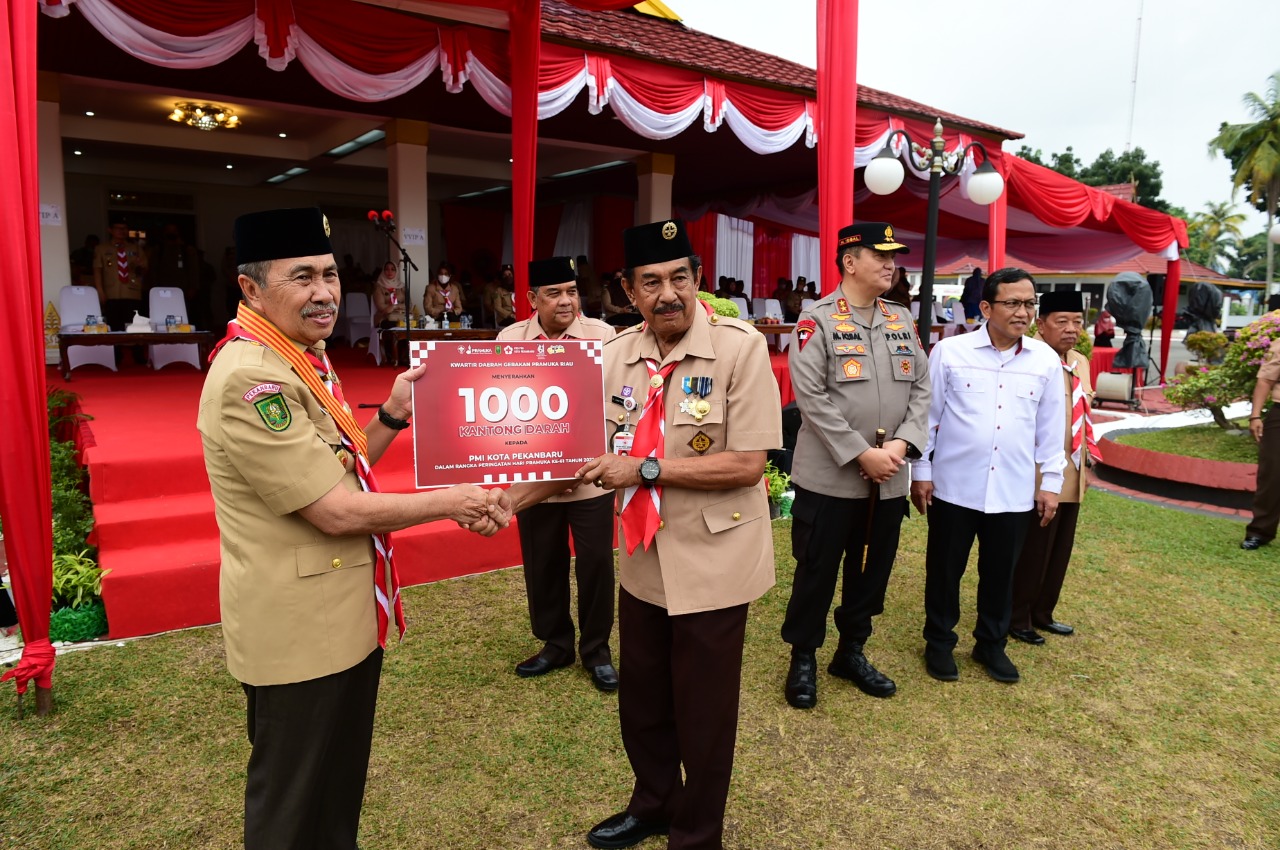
(660, 242)
(551, 272)
(281, 234)
(872, 234)
(1067, 301)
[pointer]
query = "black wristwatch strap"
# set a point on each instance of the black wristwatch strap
(390, 421)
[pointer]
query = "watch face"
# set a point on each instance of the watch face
(649, 470)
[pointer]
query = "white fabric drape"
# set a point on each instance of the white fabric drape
(574, 237)
(806, 259)
(735, 248)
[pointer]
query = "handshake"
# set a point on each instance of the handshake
(486, 512)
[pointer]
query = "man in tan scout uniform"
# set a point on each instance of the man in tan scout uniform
(1042, 566)
(584, 512)
(118, 268)
(857, 367)
(308, 589)
(695, 542)
(1266, 431)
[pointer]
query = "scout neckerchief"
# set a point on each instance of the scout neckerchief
(1081, 423)
(640, 510)
(317, 373)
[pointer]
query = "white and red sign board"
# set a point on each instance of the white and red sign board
(499, 412)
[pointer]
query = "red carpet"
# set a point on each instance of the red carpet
(155, 527)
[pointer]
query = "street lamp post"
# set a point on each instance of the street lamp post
(884, 174)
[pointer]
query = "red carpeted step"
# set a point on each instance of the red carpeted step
(170, 518)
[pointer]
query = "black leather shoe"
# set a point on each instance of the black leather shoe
(941, 664)
(802, 679)
(998, 665)
(1252, 543)
(1056, 628)
(604, 677)
(624, 830)
(1030, 636)
(849, 663)
(539, 665)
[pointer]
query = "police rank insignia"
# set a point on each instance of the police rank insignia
(701, 442)
(842, 306)
(853, 368)
(274, 411)
(804, 329)
(906, 365)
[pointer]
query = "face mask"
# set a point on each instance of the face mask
(444, 278)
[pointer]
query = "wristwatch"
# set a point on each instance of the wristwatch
(649, 471)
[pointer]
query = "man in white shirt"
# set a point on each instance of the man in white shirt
(996, 412)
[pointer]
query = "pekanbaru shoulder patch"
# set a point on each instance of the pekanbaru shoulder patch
(274, 411)
(804, 329)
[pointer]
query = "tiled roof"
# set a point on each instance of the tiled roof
(672, 43)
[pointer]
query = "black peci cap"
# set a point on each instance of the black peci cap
(552, 272)
(873, 234)
(1067, 301)
(280, 234)
(660, 242)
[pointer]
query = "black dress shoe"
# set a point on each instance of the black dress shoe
(802, 679)
(1252, 543)
(539, 665)
(849, 663)
(624, 830)
(1030, 636)
(1056, 628)
(604, 677)
(998, 665)
(941, 664)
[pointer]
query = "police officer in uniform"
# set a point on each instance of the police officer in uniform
(584, 512)
(308, 589)
(695, 542)
(861, 381)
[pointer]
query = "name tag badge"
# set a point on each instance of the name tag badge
(622, 442)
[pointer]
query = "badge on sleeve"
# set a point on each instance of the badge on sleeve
(804, 329)
(274, 411)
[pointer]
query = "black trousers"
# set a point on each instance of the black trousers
(1042, 567)
(952, 530)
(825, 530)
(310, 757)
(1266, 499)
(678, 706)
(544, 543)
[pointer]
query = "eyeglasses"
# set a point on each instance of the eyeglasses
(1012, 306)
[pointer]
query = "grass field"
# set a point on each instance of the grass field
(1204, 441)
(1155, 726)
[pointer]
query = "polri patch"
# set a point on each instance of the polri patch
(260, 389)
(274, 411)
(701, 442)
(804, 329)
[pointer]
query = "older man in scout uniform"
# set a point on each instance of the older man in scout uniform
(584, 512)
(308, 586)
(1042, 566)
(862, 385)
(1266, 431)
(118, 268)
(695, 540)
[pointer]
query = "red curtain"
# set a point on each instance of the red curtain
(771, 259)
(526, 41)
(837, 121)
(702, 233)
(24, 452)
(610, 215)
(1172, 283)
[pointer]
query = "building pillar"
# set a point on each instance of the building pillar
(407, 194)
(55, 247)
(654, 173)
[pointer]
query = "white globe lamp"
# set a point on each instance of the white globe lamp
(986, 184)
(884, 174)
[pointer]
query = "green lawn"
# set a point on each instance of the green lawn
(1155, 726)
(1203, 441)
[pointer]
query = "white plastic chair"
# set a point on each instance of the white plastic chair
(167, 301)
(743, 312)
(74, 303)
(356, 319)
(757, 308)
(772, 308)
(805, 304)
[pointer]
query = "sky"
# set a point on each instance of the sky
(1059, 72)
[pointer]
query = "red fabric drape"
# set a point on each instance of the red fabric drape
(996, 232)
(702, 234)
(526, 41)
(771, 259)
(24, 452)
(610, 215)
(837, 120)
(1172, 283)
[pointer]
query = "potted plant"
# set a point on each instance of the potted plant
(78, 613)
(777, 483)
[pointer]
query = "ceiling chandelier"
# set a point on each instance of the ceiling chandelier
(204, 116)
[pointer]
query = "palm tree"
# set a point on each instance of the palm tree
(1255, 151)
(1215, 234)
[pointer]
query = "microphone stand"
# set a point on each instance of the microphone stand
(406, 263)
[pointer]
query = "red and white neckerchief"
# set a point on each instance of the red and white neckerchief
(122, 263)
(1081, 423)
(641, 506)
(448, 298)
(317, 373)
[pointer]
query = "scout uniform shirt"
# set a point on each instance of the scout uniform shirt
(714, 548)
(850, 378)
(1074, 481)
(297, 604)
(433, 300)
(105, 261)
(1270, 369)
(581, 328)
